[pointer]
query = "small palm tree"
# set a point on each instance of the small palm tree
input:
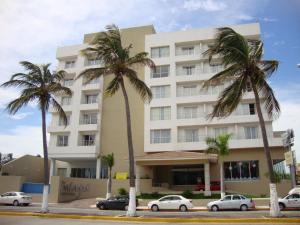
(107, 46)
(39, 85)
(220, 146)
(110, 162)
(245, 68)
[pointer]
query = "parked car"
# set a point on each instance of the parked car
(15, 198)
(214, 186)
(231, 202)
(115, 203)
(289, 201)
(294, 190)
(171, 202)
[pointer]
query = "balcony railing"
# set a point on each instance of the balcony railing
(90, 120)
(87, 142)
(191, 138)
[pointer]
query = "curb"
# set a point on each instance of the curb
(156, 219)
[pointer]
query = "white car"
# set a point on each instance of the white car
(289, 201)
(231, 202)
(15, 198)
(171, 202)
(294, 190)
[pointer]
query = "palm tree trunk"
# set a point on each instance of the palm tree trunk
(46, 166)
(132, 195)
(274, 207)
(222, 180)
(108, 195)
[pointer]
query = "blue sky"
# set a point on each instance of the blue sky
(32, 30)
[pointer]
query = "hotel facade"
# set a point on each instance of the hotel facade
(169, 132)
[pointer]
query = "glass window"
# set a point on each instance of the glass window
(188, 70)
(68, 82)
(160, 52)
(191, 135)
(175, 198)
(61, 121)
(236, 197)
(251, 109)
(89, 118)
(227, 198)
(88, 140)
(190, 90)
(70, 64)
(160, 71)
(160, 136)
(83, 172)
(188, 50)
(190, 112)
(241, 170)
(65, 100)
(220, 130)
(90, 99)
(251, 132)
(93, 61)
(160, 113)
(215, 68)
(62, 140)
(161, 91)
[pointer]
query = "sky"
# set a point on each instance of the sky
(32, 30)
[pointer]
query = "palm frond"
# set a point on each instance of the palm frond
(142, 59)
(112, 87)
(60, 110)
(93, 73)
(14, 106)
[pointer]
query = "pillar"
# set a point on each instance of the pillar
(207, 191)
(52, 168)
(98, 168)
(137, 179)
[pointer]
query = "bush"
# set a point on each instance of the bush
(187, 194)
(122, 191)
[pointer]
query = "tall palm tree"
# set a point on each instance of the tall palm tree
(107, 46)
(39, 85)
(110, 162)
(245, 67)
(219, 145)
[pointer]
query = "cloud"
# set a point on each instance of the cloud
(278, 43)
(22, 140)
(266, 19)
(7, 95)
(207, 5)
(19, 116)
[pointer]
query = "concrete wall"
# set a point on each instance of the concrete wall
(11, 183)
(28, 166)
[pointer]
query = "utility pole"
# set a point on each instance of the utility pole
(288, 142)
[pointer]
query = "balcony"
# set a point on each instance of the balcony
(58, 129)
(86, 143)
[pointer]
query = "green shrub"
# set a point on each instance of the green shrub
(187, 194)
(122, 191)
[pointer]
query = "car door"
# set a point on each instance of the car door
(3, 198)
(235, 202)
(293, 200)
(225, 203)
(175, 202)
(164, 203)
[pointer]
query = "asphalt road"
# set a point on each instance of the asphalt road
(165, 214)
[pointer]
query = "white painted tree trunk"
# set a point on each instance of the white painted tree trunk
(132, 202)
(108, 193)
(222, 181)
(45, 199)
(274, 206)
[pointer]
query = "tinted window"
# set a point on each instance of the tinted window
(176, 198)
(236, 197)
(166, 199)
(227, 198)
(242, 197)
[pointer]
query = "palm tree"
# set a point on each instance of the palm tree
(220, 146)
(109, 161)
(107, 46)
(39, 85)
(245, 68)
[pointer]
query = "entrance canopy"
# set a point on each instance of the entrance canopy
(175, 158)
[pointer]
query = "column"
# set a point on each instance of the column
(52, 168)
(207, 191)
(137, 180)
(98, 168)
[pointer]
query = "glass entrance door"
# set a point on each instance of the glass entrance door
(188, 175)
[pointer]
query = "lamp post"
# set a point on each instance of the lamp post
(288, 142)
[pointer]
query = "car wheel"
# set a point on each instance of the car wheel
(244, 208)
(281, 206)
(126, 207)
(154, 208)
(15, 203)
(214, 208)
(183, 208)
(101, 207)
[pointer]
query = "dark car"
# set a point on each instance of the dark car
(214, 186)
(116, 202)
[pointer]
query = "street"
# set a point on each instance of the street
(4, 220)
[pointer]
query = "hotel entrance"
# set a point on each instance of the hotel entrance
(188, 175)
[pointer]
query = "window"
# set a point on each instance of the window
(160, 113)
(83, 172)
(160, 52)
(69, 64)
(251, 132)
(251, 109)
(191, 135)
(190, 90)
(241, 170)
(88, 140)
(90, 99)
(187, 50)
(215, 68)
(93, 62)
(190, 112)
(160, 71)
(236, 197)
(61, 121)
(161, 91)
(94, 81)
(68, 82)
(189, 70)
(160, 136)
(65, 100)
(62, 140)
(220, 130)
(89, 118)
(227, 198)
